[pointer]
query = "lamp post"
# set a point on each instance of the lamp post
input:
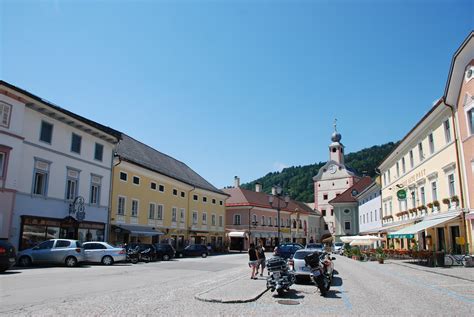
(282, 201)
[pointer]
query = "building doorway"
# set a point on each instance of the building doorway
(456, 248)
(441, 241)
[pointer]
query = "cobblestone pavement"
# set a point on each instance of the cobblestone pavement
(168, 288)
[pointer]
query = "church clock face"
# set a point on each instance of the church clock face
(332, 169)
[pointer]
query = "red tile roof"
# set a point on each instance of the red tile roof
(244, 197)
(346, 197)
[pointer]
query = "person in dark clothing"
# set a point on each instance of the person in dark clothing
(261, 259)
(253, 260)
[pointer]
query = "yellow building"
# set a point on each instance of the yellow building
(157, 198)
(421, 186)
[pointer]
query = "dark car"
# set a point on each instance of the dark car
(164, 251)
(7, 255)
(142, 247)
(287, 250)
(194, 250)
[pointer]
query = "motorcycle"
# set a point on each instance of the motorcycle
(322, 270)
(133, 255)
(280, 278)
(146, 255)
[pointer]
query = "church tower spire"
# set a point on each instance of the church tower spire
(336, 149)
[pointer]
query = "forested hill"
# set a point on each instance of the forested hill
(298, 180)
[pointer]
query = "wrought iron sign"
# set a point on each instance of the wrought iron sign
(77, 208)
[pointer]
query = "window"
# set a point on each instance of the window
(385, 179)
(121, 206)
(174, 213)
(398, 169)
(3, 159)
(323, 212)
(385, 208)
(123, 176)
(347, 225)
(5, 111)
(96, 182)
(420, 151)
(412, 161)
(470, 120)
(375, 213)
(221, 202)
(175, 192)
(72, 181)
(98, 152)
(153, 185)
(182, 213)
(270, 221)
(237, 220)
(431, 142)
(195, 217)
(447, 131)
(161, 188)
(325, 196)
(332, 212)
(195, 197)
(213, 220)
(221, 221)
(413, 199)
(183, 194)
(422, 196)
(434, 191)
(390, 206)
(134, 208)
(326, 227)
(452, 187)
(404, 167)
(46, 133)
(136, 180)
(76, 143)
(151, 211)
(213, 201)
(263, 221)
(46, 245)
(204, 199)
(389, 177)
(159, 212)
(363, 218)
(371, 213)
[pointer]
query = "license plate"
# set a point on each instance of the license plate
(276, 275)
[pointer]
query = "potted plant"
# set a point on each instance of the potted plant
(455, 200)
(356, 254)
(421, 208)
(380, 255)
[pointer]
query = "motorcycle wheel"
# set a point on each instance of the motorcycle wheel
(281, 292)
(323, 289)
(134, 260)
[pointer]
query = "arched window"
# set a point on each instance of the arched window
(294, 224)
(254, 219)
(263, 220)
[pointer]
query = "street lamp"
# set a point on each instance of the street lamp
(282, 201)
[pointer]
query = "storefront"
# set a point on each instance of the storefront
(37, 229)
(134, 234)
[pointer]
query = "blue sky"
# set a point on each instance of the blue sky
(237, 87)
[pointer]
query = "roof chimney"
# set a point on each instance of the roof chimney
(258, 187)
(236, 182)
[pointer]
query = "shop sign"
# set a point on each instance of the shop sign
(402, 194)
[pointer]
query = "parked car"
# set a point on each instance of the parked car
(298, 265)
(144, 246)
(315, 247)
(55, 251)
(7, 255)
(286, 250)
(164, 251)
(102, 252)
(338, 248)
(194, 250)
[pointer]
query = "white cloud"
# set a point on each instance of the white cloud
(279, 166)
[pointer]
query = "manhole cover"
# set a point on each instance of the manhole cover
(288, 302)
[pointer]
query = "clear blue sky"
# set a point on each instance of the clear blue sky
(237, 87)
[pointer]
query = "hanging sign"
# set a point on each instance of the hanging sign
(402, 194)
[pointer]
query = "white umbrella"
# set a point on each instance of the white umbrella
(350, 239)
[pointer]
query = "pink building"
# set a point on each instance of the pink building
(459, 95)
(251, 218)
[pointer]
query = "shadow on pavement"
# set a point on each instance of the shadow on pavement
(291, 294)
(10, 273)
(333, 294)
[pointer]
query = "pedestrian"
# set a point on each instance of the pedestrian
(253, 260)
(261, 259)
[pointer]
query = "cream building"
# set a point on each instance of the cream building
(421, 186)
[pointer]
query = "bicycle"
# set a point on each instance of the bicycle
(454, 259)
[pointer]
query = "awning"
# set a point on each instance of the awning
(328, 240)
(142, 231)
(237, 234)
(409, 232)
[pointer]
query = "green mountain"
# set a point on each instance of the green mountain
(298, 180)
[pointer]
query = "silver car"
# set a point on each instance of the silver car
(338, 248)
(102, 252)
(57, 251)
(298, 265)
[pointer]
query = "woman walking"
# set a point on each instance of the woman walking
(261, 259)
(253, 260)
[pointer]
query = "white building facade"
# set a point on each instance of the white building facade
(370, 209)
(58, 175)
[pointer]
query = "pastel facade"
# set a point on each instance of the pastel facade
(332, 180)
(157, 198)
(459, 94)
(52, 161)
(424, 168)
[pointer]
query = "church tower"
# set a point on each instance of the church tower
(336, 149)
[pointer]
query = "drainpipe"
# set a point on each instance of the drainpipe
(189, 213)
(112, 165)
(458, 161)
